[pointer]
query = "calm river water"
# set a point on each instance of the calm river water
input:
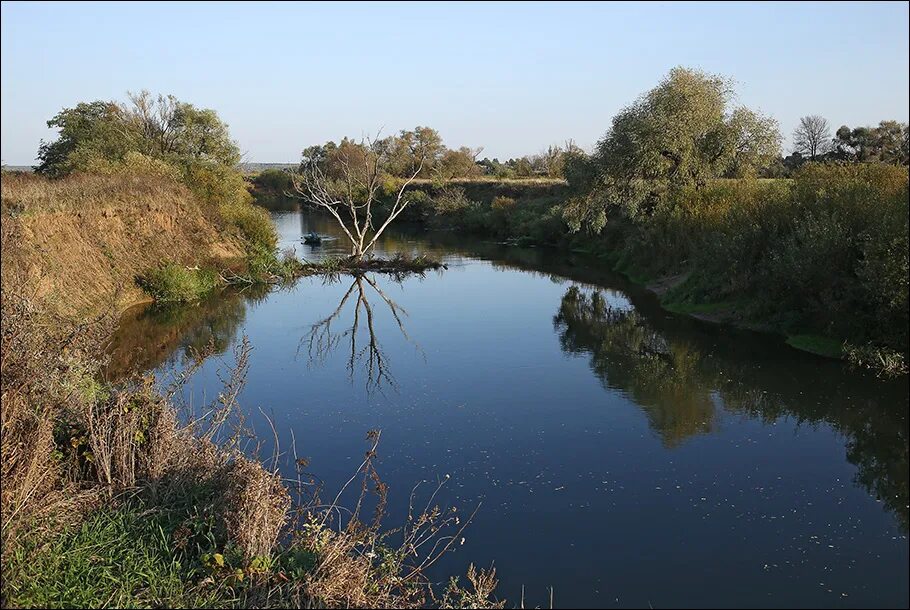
(620, 454)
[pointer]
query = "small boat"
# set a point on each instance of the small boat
(312, 238)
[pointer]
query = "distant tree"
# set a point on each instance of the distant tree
(521, 167)
(461, 163)
(421, 145)
(752, 143)
(316, 154)
(794, 161)
(348, 186)
(550, 161)
(890, 142)
(812, 137)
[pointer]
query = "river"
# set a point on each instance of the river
(620, 454)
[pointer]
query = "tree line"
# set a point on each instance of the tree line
(888, 142)
(404, 150)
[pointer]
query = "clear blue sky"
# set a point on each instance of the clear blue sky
(511, 77)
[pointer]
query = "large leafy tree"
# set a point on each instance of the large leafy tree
(421, 145)
(678, 135)
(89, 131)
(160, 127)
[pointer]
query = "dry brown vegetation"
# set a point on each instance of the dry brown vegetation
(66, 436)
(79, 242)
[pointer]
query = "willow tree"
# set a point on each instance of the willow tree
(351, 191)
(679, 134)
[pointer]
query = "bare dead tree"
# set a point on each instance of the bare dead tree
(351, 195)
(812, 137)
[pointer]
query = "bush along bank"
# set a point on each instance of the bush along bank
(821, 258)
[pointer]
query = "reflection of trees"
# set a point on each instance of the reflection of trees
(324, 338)
(150, 337)
(630, 355)
(680, 382)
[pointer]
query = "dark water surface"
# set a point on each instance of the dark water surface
(623, 455)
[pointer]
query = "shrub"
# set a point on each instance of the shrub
(253, 223)
(173, 283)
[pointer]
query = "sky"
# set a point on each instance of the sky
(512, 77)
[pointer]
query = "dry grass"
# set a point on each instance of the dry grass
(29, 194)
(62, 429)
(41, 374)
(80, 242)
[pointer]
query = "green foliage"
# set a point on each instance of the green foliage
(173, 283)
(456, 164)
(124, 558)
(274, 180)
(265, 264)
(133, 163)
(409, 148)
(253, 224)
(217, 185)
(678, 135)
(90, 132)
(826, 252)
(159, 127)
(886, 143)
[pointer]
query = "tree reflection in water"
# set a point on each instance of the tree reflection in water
(151, 337)
(324, 338)
(682, 385)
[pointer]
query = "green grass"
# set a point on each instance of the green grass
(817, 344)
(173, 283)
(123, 558)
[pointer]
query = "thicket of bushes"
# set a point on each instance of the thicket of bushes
(826, 253)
